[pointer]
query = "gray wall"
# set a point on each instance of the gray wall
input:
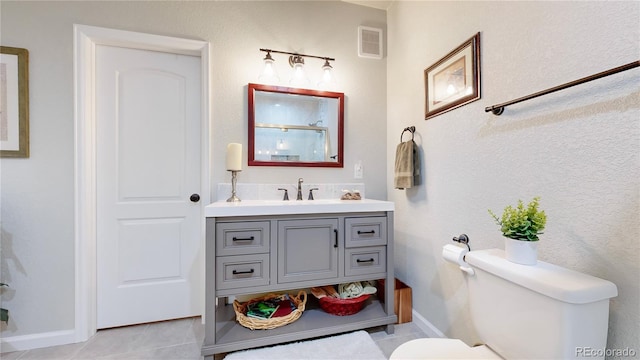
(578, 149)
(37, 193)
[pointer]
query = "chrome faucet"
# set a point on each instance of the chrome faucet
(299, 197)
(311, 193)
(286, 194)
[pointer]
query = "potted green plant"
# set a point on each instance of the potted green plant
(521, 226)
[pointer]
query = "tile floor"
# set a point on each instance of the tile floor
(171, 340)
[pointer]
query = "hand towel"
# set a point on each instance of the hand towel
(407, 167)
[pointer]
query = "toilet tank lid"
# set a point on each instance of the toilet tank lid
(551, 280)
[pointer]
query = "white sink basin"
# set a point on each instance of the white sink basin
(278, 207)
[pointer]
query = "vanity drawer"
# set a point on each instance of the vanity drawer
(366, 231)
(240, 271)
(248, 237)
(364, 261)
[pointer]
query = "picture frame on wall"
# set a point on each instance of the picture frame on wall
(454, 80)
(14, 102)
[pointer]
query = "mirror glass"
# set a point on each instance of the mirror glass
(295, 127)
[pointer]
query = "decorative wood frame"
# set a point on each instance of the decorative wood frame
(454, 80)
(14, 102)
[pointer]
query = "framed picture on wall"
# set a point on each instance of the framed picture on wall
(14, 102)
(454, 80)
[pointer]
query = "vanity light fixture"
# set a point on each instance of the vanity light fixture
(296, 61)
(298, 78)
(327, 74)
(269, 74)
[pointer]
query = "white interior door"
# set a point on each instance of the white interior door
(149, 222)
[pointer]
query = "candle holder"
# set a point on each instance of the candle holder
(234, 179)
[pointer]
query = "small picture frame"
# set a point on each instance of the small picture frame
(454, 80)
(14, 102)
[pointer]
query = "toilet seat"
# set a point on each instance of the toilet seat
(429, 348)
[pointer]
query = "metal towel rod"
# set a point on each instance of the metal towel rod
(498, 109)
(411, 129)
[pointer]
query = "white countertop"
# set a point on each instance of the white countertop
(279, 207)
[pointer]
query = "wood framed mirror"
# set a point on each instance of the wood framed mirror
(295, 127)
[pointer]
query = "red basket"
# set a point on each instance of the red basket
(342, 307)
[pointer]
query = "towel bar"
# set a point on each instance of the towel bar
(499, 108)
(411, 129)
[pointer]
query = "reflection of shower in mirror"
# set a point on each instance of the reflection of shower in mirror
(295, 127)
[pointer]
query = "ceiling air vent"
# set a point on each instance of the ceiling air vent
(369, 42)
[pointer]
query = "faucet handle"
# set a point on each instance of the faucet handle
(311, 193)
(286, 194)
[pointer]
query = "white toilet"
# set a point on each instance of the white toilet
(525, 312)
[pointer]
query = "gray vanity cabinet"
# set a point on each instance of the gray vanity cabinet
(247, 255)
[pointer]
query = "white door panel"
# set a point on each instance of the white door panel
(148, 159)
(149, 265)
(136, 237)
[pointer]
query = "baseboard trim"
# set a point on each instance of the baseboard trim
(426, 326)
(34, 341)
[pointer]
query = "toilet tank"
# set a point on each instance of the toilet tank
(542, 311)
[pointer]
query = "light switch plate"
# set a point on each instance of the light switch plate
(358, 170)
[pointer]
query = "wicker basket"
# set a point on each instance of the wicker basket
(342, 307)
(299, 301)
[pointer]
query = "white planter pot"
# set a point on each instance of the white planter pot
(521, 252)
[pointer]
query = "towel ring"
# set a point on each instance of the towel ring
(411, 129)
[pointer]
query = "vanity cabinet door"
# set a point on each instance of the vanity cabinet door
(307, 250)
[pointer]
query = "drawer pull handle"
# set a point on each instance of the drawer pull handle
(366, 232)
(365, 261)
(236, 272)
(335, 244)
(250, 238)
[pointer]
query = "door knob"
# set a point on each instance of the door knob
(194, 197)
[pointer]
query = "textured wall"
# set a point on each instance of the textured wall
(578, 149)
(37, 193)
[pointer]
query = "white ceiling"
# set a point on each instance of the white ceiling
(378, 4)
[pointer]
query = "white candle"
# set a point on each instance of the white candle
(234, 157)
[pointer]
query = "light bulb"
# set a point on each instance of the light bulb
(298, 77)
(269, 74)
(327, 75)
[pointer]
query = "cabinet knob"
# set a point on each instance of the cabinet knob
(194, 198)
